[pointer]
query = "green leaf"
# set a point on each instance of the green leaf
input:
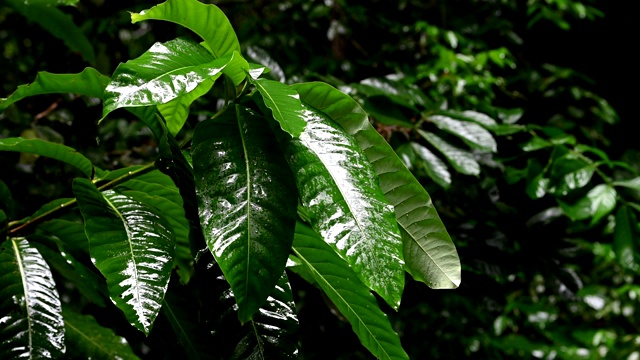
(208, 21)
(386, 112)
(51, 150)
(432, 165)
(349, 295)
(338, 188)
(88, 283)
(461, 160)
(633, 184)
(89, 340)
(472, 134)
(158, 189)
(470, 115)
(132, 246)
(271, 334)
(176, 111)
(246, 201)
(70, 233)
(58, 24)
(284, 103)
(429, 253)
(626, 239)
(89, 82)
(603, 201)
(183, 317)
(6, 200)
(165, 72)
(569, 171)
(31, 325)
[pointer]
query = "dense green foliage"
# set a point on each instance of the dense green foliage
(238, 194)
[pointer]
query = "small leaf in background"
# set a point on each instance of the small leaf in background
(87, 339)
(51, 150)
(470, 115)
(260, 56)
(569, 171)
(429, 253)
(432, 165)
(386, 112)
(31, 325)
(472, 134)
(537, 184)
(246, 202)
(132, 246)
(626, 239)
(284, 103)
(633, 184)
(338, 187)
(57, 23)
(208, 21)
(461, 160)
(89, 82)
(603, 201)
(352, 298)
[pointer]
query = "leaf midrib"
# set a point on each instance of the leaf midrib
(249, 183)
(25, 288)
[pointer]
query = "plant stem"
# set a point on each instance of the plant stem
(13, 231)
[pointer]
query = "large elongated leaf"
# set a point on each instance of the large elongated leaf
(133, 248)
(58, 24)
(55, 151)
(284, 103)
(158, 189)
(165, 72)
(246, 201)
(31, 325)
(89, 82)
(429, 253)
(89, 340)
(338, 187)
(350, 296)
(208, 21)
(461, 160)
(472, 134)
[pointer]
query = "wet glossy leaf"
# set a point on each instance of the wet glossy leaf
(208, 21)
(472, 134)
(158, 189)
(89, 82)
(569, 171)
(132, 246)
(461, 160)
(31, 325)
(626, 239)
(176, 111)
(537, 183)
(631, 183)
(271, 334)
(165, 72)
(284, 103)
(338, 188)
(470, 115)
(259, 55)
(87, 339)
(247, 203)
(57, 23)
(429, 253)
(334, 276)
(52, 150)
(603, 201)
(432, 165)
